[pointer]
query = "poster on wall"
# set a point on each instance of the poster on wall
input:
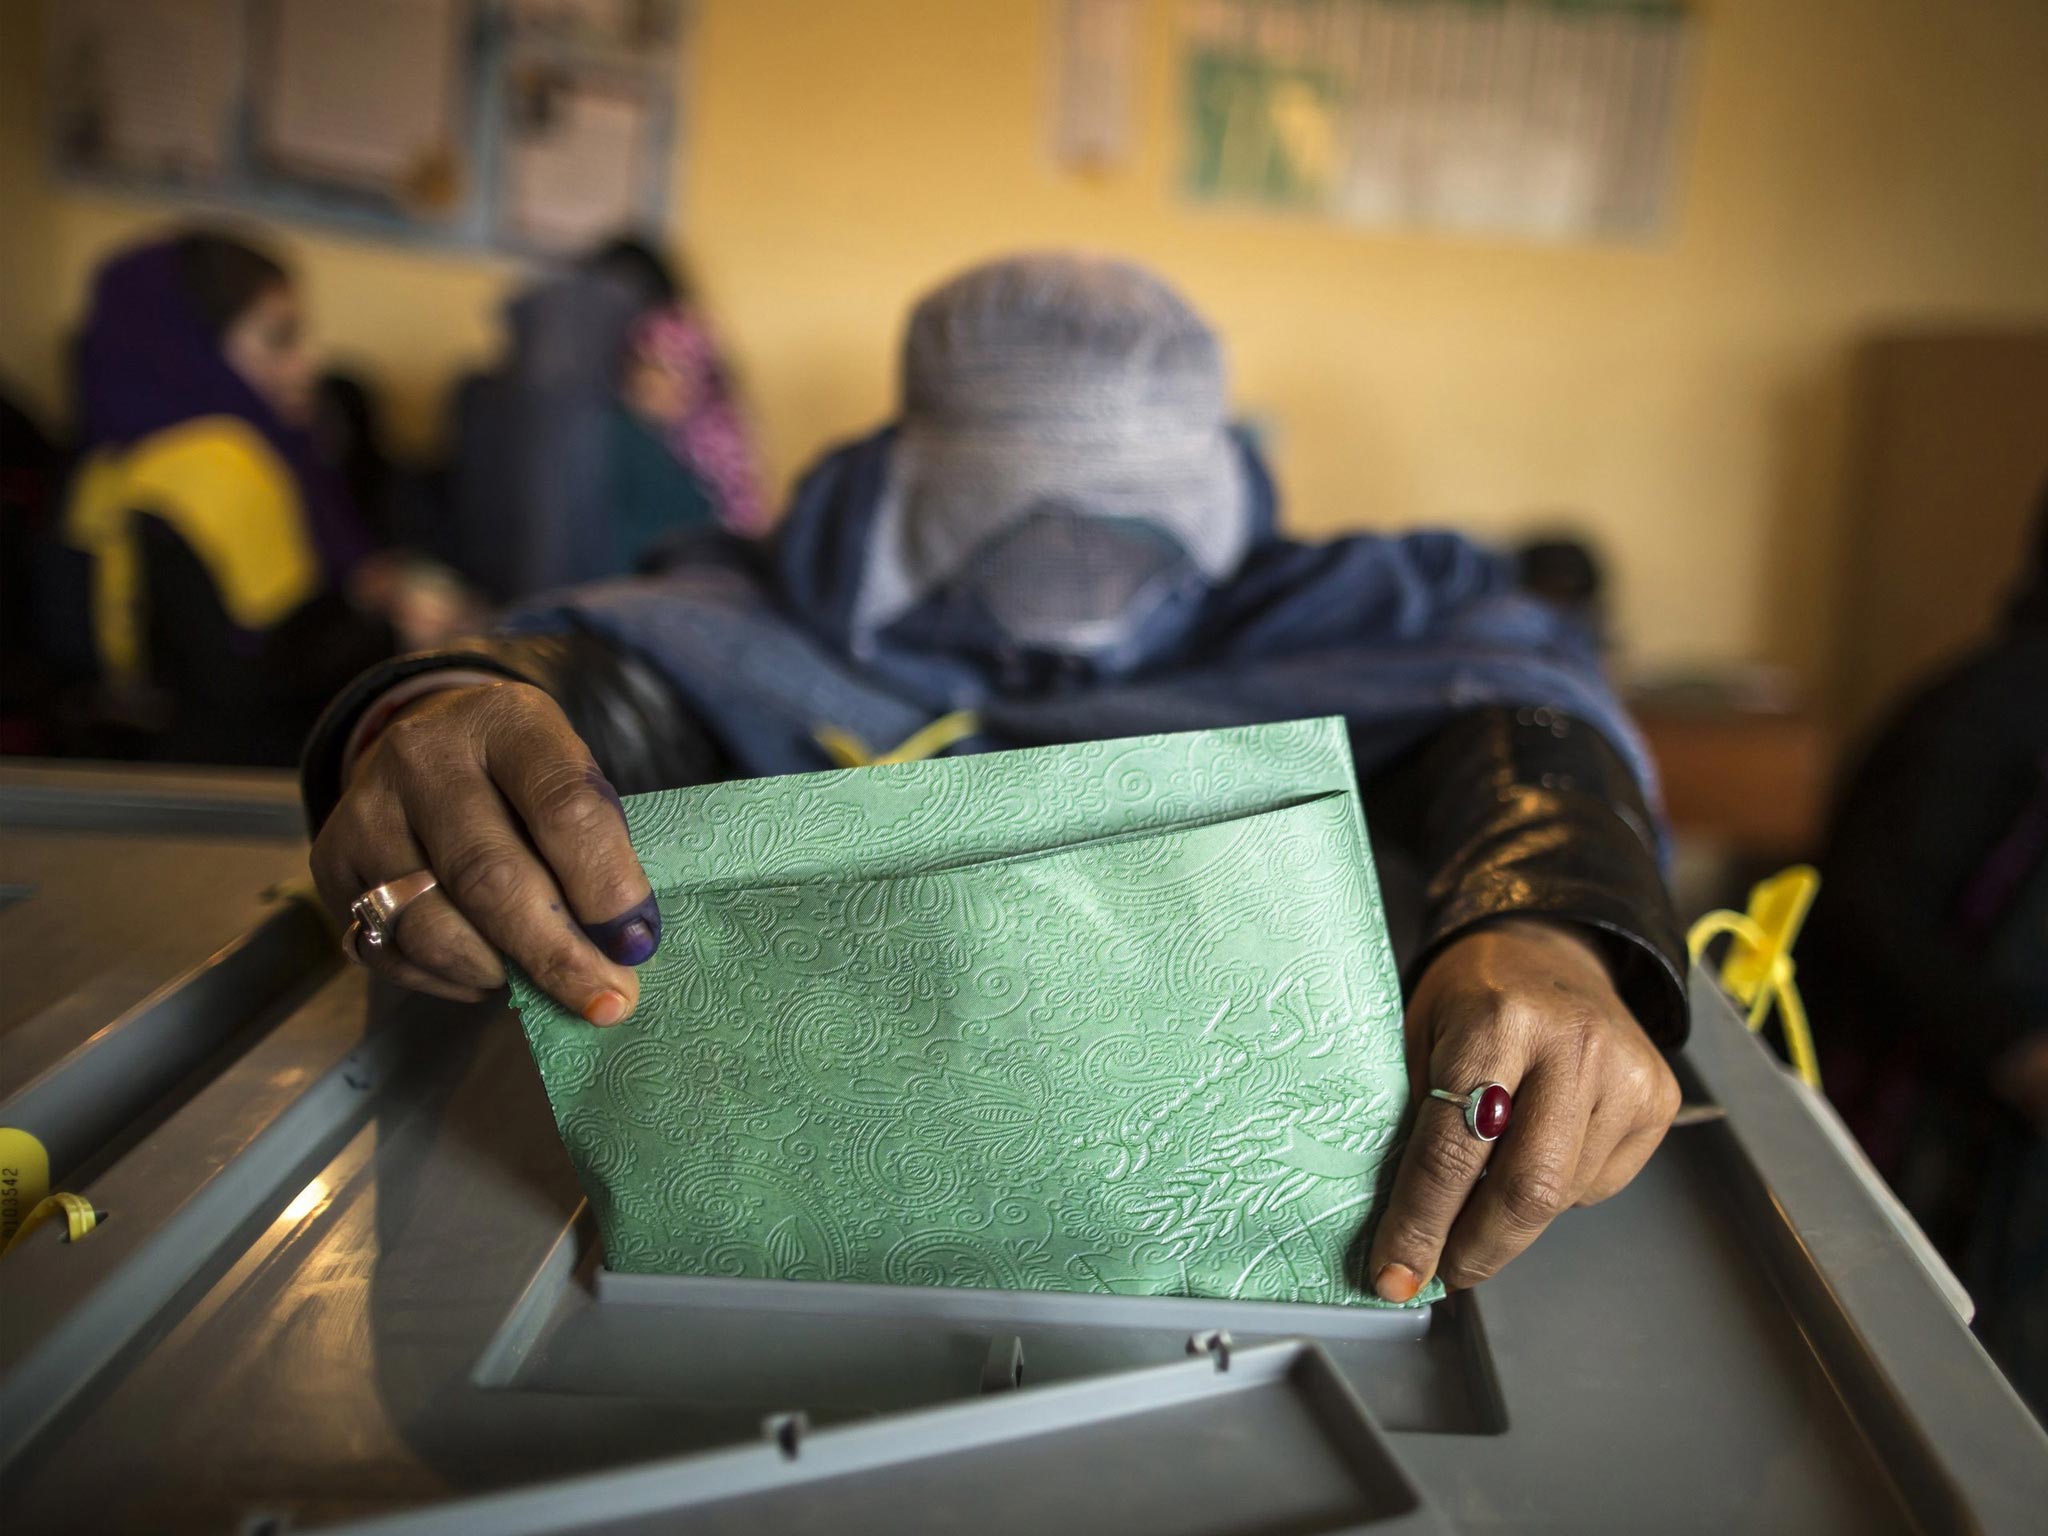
(584, 105)
(575, 162)
(1545, 118)
(147, 88)
(366, 95)
(523, 125)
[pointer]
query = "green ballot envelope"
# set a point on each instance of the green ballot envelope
(1118, 1017)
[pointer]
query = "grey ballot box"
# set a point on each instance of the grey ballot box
(345, 1280)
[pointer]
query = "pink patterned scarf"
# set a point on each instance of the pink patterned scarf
(708, 435)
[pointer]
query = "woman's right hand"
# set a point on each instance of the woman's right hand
(491, 788)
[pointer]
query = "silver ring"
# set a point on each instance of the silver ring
(1486, 1107)
(376, 912)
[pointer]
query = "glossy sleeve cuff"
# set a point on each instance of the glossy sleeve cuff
(322, 765)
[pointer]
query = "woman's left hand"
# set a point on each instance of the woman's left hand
(1531, 1006)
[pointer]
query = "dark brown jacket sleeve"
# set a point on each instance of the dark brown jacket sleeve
(1530, 813)
(626, 713)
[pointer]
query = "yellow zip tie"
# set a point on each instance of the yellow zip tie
(846, 751)
(849, 751)
(79, 1217)
(1757, 970)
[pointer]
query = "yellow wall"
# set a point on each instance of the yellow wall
(1849, 164)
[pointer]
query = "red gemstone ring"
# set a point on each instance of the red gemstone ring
(1486, 1108)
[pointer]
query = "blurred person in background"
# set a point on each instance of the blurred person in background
(1063, 533)
(676, 387)
(232, 583)
(348, 435)
(396, 505)
(1926, 964)
(1564, 570)
(608, 428)
(33, 470)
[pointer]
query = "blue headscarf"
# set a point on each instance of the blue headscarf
(1396, 634)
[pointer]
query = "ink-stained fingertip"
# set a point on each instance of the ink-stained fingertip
(632, 937)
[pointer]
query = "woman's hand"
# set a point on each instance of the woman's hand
(425, 603)
(1529, 1005)
(490, 788)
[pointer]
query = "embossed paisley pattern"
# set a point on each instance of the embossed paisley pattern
(1117, 1017)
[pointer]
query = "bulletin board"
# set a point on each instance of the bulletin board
(534, 126)
(1542, 118)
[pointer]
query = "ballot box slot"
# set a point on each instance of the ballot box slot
(125, 1077)
(847, 1350)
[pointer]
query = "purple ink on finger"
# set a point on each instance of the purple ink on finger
(632, 937)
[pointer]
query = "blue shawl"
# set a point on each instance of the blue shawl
(1395, 634)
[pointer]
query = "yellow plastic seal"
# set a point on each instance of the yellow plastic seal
(1757, 971)
(849, 751)
(79, 1218)
(24, 1179)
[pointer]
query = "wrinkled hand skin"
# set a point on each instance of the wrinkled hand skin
(1529, 1005)
(491, 788)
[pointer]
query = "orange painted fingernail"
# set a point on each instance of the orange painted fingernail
(605, 1009)
(1396, 1282)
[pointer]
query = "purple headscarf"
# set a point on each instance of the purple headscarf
(148, 361)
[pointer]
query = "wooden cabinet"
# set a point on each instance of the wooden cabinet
(1949, 457)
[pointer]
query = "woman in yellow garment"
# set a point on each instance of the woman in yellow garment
(223, 550)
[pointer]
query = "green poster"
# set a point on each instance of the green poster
(1260, 131)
